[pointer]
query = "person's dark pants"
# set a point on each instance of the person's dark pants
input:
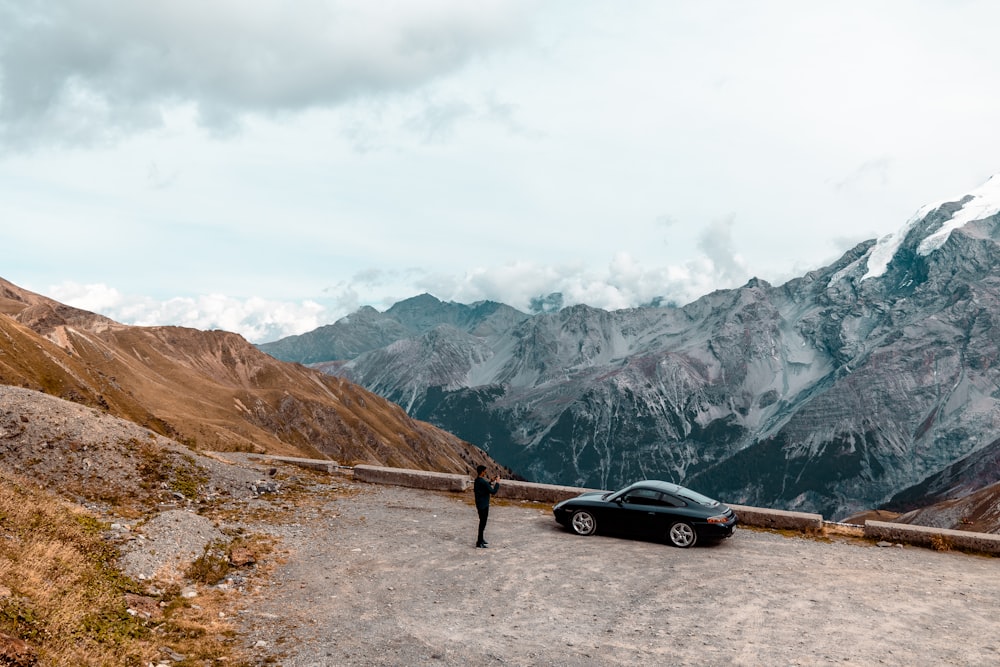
(484, 514)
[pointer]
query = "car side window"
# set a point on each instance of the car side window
(672, 501)
(643, 497)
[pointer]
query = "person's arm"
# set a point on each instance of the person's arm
(495, 486)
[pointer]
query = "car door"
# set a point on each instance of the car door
(640, 513)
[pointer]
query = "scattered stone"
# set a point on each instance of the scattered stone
(143, 606)
(262, 486)
(15, 652)
(174, 539)
(172, 654)
(241, 557)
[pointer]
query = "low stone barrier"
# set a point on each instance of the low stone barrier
(936, 538)
(421, 479)
(312, 464)
(440, 481)
(761, 517)
(542, 493)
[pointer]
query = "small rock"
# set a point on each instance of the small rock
(172, 654)
(262, 486)
(241, 557)
(16, 652)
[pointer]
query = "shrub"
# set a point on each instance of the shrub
(941, 543)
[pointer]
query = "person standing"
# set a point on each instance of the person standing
(483, 489)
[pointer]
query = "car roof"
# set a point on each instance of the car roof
(666, 487)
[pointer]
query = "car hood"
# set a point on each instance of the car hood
(590, 495)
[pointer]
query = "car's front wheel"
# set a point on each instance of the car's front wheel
(681, 534)
(583, 523)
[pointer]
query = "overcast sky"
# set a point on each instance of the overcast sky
(267, 167)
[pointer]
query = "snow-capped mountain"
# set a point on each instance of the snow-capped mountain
(834, 392)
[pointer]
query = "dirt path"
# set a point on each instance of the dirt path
(390, 577)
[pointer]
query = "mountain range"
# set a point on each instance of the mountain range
(210, 390)
(872, 382)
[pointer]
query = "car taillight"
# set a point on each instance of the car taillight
(719, 518)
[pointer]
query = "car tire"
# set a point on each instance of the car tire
(682, 534)
(583, 523)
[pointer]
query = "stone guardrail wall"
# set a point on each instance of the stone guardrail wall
(936, 538)
(420, 479)
(322, 465)
(439, 481)
(757, 517)
(760, 517)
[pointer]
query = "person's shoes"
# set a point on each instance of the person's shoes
(481, 545)
(484, 543)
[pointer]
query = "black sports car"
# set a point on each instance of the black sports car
(649, 509)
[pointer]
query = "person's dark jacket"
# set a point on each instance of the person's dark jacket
(483, 490)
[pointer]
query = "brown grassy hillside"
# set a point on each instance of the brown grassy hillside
(210, 389)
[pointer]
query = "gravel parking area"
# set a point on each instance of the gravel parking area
(389, 576)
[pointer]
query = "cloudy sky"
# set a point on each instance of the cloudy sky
(267, 167)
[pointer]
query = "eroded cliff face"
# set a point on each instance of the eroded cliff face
(831, 393)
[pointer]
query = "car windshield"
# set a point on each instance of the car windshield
(695, 497)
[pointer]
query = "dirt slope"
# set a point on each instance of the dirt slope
(211, 390)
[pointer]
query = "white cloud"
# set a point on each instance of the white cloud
(97, 298)
(717, 243)
(257, 320)
(623, 283)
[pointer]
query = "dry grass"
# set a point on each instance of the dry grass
(60, 591)
(847, 530)
(941, 543)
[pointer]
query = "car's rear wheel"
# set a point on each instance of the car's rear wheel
(681, 534)
(583, 523)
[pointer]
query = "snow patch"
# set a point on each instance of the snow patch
(984, 203)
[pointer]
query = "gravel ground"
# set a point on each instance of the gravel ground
(389, 576)
(167, 544)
